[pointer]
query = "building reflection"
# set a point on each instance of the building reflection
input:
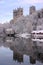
(17, 57)
(26, 47)
(37, 53)
(40, 57)
(32, 60)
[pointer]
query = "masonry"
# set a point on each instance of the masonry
(17, 13)
(35, 19)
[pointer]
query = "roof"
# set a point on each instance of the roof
(37, 31)
(9, 29)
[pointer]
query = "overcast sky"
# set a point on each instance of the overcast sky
(7, 6)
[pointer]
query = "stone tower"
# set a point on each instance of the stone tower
(17, 13)
(32, 9)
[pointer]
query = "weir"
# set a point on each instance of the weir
(23, 35)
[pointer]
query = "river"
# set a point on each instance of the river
(20, 51)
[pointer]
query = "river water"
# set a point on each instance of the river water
(20, 51)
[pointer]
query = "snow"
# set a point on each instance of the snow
(40, 40)
(24, 35)
(37, 31)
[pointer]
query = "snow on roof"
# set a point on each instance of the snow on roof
(37, 31)
(10, 29)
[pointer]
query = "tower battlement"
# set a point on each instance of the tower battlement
(32, 9)
(17, 12)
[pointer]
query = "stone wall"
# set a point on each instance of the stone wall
(32, 9)
(17, 13)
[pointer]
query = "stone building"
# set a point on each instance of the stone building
(36, 17)
(28, 23)
(32, 9)
(17, 13)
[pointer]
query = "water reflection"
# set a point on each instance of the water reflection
(21, 47)
(18, 57)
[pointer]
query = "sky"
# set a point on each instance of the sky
(7, 7)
